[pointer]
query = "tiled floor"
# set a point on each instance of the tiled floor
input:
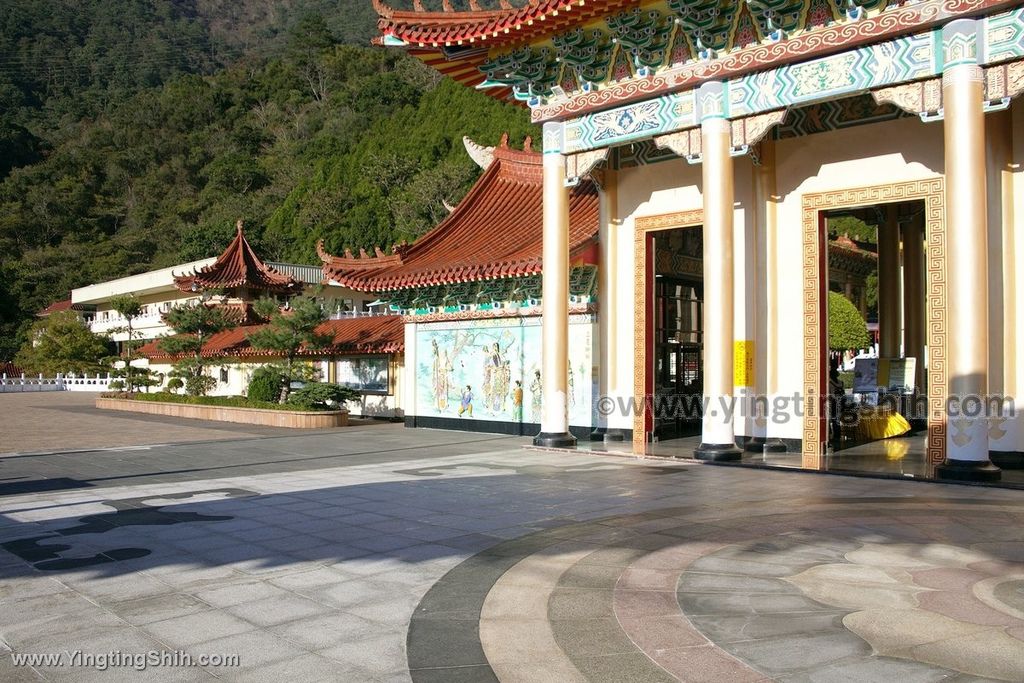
(392, 554)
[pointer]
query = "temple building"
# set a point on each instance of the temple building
(715, 141)
(366, 348)
(469, 291)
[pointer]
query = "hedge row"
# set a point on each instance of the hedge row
(225, 401)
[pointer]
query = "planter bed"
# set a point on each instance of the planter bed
(295, 419)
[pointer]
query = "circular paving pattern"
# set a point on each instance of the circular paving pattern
(835, 591)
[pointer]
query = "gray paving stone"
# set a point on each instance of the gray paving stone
(197, 628)
(278, 609)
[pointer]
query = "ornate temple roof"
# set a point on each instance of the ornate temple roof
(364, 335)
(238, 266)
(457, 43)
(491, 27)
(494, 232)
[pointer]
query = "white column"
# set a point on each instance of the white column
(554, 428)
(967, 268)
(717, 437)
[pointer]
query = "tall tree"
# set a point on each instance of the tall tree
(60, 344)
(193, 325)
(130, 308)
(288, 332)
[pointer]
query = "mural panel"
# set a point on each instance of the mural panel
(492, 370)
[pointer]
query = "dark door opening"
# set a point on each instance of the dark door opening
(678, 333)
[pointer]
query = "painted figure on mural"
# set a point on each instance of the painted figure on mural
(501, 375)
(517, 402)
(536, 387)
(467, 401)
(442, 369)
(497, 376)
(572, 389)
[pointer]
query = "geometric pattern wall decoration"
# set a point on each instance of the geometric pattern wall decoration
(873, 66)
(836, 115)
(642, 227)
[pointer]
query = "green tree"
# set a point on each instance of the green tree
(193, 325)
(61, 343)
(846, 329)
(288, 332)
(133, 377)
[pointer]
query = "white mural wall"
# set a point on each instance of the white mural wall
(491, 369)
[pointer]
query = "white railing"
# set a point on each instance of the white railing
(59, 383)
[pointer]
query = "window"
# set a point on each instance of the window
(368, 374)
(224, 375)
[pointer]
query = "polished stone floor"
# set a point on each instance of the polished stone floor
(903, 457)
(391, 554)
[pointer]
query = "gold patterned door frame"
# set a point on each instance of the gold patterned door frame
(643, 226)
(932, 192)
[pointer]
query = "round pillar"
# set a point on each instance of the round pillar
(967, 269)
(554, 428)
(718, 441)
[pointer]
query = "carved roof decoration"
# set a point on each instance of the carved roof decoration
(547, 51)
(238, 266)
(494, 232)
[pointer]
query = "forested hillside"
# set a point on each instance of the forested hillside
(133, 133)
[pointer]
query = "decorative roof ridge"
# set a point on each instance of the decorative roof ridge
(420, 13)
(364, 261)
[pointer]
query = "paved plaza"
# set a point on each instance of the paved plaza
(378, 553)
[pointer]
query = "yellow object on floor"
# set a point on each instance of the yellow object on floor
(876, 423)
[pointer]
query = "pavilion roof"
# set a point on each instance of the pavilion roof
(494, 232)
(238, 266)
(361, 335)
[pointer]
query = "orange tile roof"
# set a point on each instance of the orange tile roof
(238, 266)
(364, 335)
(491, 27)
(55, 307)
(457, 43)
(495, 232)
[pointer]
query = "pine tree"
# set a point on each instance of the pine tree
(193, 325)
(288, 332)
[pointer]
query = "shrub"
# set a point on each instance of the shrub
(265, 384)
(846, 327)
(116, 385)
(175, 384)
(200, 385)
(321, 396)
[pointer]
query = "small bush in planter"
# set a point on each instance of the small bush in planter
(175, 384)
(116, 385)
(265, 385)
(323, 396)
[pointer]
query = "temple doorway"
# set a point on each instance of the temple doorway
(876, 269)
(676, 338)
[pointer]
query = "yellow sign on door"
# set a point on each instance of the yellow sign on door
(743, 363)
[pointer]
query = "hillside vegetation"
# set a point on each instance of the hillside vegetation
(134, 133)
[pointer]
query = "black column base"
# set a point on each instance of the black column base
(555, 440)
(774, 446)
(754, 444)
(614, 435)
(1007, 460)
(968, 470)
(717, 452)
